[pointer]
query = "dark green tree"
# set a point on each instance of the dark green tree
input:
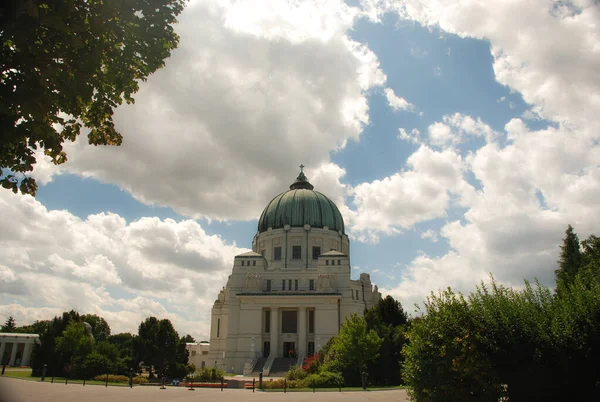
(158, 345)
(125, 344)
(188, 339)
(45, 351)
(389, 320)
(570, 259)
(36, 328)
(388, 311)
(66, 64)
(591, 250)
(73, 346)
(9, 325)
(100, 327)
(498, 342)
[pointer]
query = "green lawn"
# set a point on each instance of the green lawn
(336, 389)
(26, 375)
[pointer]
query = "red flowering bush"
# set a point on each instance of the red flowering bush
(312, 363)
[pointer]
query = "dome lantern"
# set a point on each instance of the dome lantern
(301, 181)
(300, 206)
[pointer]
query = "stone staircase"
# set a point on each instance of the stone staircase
(258, 366)
(281, 366)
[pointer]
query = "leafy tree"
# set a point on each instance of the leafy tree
(45, 351)
(388, 311)
(389, 320)
(159, 345)
(441, 362)
(66, 64)
(95, 364)
(74, 345)
(188, 339)
(100, 327)
(36, 328)
(125, 344)
(355, 346)
(537, 345)
(570, 259)
(9, 325)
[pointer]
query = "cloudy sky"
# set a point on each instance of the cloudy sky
(458, 139)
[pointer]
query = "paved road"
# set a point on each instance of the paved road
(14, 390)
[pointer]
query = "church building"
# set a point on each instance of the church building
(288, 296)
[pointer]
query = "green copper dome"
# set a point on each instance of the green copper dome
(300, 206)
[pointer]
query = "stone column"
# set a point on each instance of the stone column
(275, 331)
(2, 348)
(302, 331)
(13, 354)
(26, 354)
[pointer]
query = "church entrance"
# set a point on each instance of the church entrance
(311, 348)
(289, 349)
(266, 349)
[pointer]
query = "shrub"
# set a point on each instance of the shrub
(95, 363)
(112, 378)
(140, 380)
(273, 384)
(209, 373)
(279, 384)
(323, 379)
(296, 373)
(312, 364)
(526, 345)
(121, 379)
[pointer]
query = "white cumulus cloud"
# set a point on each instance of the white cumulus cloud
(54, 261)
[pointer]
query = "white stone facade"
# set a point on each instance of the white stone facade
(15, 349)
(198, 353)
(287, 302)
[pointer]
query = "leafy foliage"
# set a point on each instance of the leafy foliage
(296, 373)
(9, 325)
(188, 339)
(74, 343)
(323, 379)
(46, 352)
(66, 64)
(390, 321)
(206, 374)
(441, 362)
(159, 345)
(100, 327)
(541, 346)
(570, 259)
(36, 328)
(312, 364)
(353, 347)
(120, 378)
(96, 363)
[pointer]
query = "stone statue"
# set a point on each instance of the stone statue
(88, 329)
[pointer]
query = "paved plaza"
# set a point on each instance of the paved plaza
(15, 390)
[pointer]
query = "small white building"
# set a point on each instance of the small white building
(288, 296)
(15, 349)
(198, 353)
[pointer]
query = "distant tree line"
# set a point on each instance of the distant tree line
(70, 349)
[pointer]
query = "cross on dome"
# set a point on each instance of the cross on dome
(301, 181)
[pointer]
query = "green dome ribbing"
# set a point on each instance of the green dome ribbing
(300, 206)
